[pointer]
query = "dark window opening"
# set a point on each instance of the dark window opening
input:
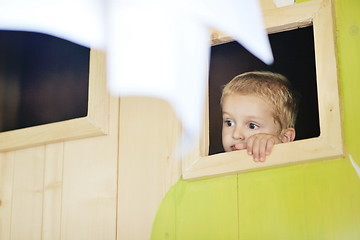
(43, 79)
(294, 57)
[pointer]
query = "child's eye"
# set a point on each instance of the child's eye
(229, 123)
(253, 126)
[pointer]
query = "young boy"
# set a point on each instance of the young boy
(259, 110)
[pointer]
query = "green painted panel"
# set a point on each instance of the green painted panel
(271, 204)
(164, 225)
(204, 209)
(332, 200)
(318, 200)
(348, 49)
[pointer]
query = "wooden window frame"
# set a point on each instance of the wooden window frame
(96, 123)
(329, 145)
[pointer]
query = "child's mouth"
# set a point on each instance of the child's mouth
(233, 148)
(238, 146)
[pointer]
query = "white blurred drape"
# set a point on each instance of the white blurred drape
(156, 48)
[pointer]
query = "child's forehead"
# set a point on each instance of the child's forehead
(246, 102)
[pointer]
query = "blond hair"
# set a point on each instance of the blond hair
(273, 88)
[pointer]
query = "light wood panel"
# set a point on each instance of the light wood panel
(89, 192)
(89, 186)
(53, 182)
(148, 167)
(27, 197)
(267, 5)
(6, 189)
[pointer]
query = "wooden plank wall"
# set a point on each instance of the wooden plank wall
(148, 166)
(65, 190)
(76, 190)
(107, 187)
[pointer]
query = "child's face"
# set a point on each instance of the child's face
(244, 116)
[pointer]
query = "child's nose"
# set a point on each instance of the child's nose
(238, 133)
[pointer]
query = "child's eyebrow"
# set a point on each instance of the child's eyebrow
(256, 118)
(225, 113)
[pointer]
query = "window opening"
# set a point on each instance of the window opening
(43, 79)
(294, 56)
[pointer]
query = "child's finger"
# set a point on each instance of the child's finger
(249, 145)
(255, 149)
(263, 142)
(269, 146)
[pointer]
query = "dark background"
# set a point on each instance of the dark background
(294, 57)
(44, 79)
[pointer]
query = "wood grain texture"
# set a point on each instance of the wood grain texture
(148, 166)
(89, 190)
(6, 192)
(52, 200)
(27, 199)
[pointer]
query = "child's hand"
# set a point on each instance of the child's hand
(260, 145)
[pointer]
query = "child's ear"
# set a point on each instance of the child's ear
(287, 135)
